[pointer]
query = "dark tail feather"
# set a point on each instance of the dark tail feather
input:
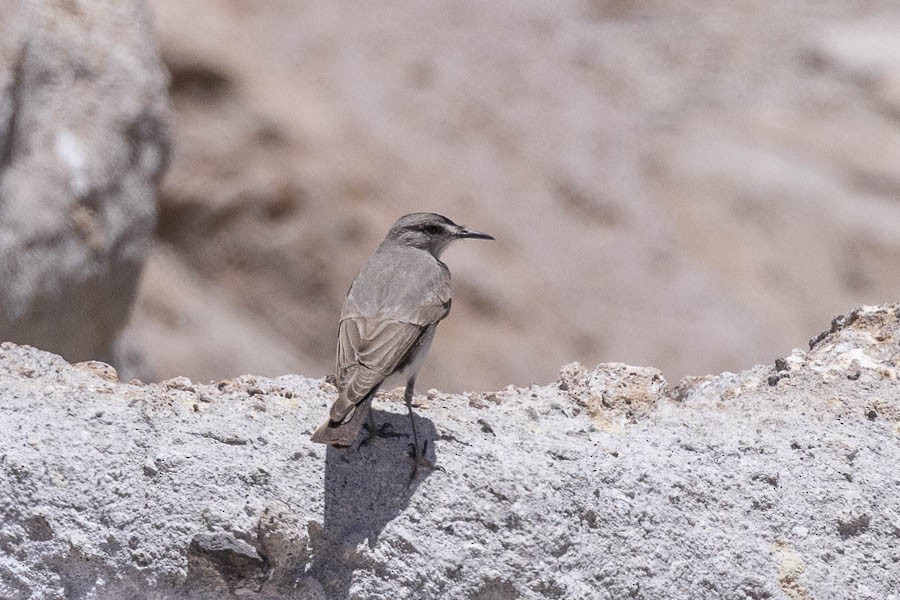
(343, 433)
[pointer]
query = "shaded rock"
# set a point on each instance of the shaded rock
(235, 560)
(38, 528)
(852, 524)
(83, 145)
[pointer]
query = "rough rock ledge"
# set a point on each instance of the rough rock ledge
(778, 482)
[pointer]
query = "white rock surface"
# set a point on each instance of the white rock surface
(777, 482)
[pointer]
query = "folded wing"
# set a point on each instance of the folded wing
(368, 352)
(390, 306)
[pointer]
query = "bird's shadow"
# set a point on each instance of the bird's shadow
(365, 488)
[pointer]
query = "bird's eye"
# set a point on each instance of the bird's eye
(432, 229)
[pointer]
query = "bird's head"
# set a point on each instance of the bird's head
(430, 231)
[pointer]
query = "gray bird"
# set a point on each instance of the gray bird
(388, 321)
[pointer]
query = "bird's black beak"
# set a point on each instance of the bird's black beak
(463, 232)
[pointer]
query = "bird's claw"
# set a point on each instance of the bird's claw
(385, 431)
(419, 460)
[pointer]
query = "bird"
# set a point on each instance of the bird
(388, 322)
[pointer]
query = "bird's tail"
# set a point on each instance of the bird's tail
(343, 433)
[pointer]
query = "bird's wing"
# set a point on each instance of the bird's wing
(368, 352)
(397, 296)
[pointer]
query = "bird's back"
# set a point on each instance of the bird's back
(400, 294)
(400, 283)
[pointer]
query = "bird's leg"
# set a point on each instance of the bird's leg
(420, 460)
(408, 398)
(370, 426)
(371, 423)
(386, 429)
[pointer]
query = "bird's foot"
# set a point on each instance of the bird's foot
(419, 460)
(385, 431)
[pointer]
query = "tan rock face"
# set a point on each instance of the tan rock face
(692, 186)
(83, 144)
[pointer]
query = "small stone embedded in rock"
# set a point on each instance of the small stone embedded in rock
(486, 427)
(179, 383)
(235, 559)
(150, 467)
(850, 525)
(39, 529)
(100, 369)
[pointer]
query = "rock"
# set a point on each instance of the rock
(101, 369)
(235, 560)
(867, 53)
(199, 326)
(721, 486)
(682, 185)
(83, 145)
(614, 388)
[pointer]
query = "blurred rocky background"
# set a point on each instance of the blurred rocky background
(690, 185)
